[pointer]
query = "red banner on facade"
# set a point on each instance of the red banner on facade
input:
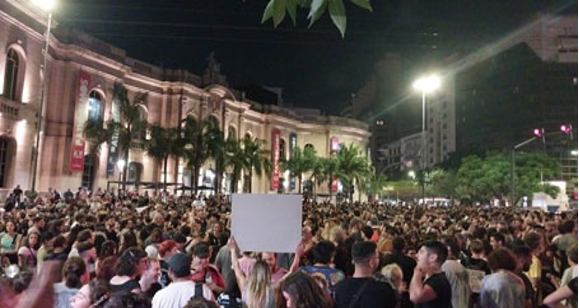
(81, 115)
(275, 171)
(335, 183)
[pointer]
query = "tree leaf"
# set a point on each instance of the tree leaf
(365, 4)
(317, 9)
(268, 13)
(291, 6)
(278, 11)
(338, 15)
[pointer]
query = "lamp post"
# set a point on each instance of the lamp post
(47, 6)
(425, 85)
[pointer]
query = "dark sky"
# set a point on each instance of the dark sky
(315, 67)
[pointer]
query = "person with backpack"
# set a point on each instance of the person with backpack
(178, 293)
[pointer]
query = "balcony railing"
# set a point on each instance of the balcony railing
(9, 107)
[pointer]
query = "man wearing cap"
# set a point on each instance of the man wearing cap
(204, 272)
(181, 289)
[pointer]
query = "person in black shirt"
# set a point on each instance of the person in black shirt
(554, 299)
(524, 259)
(17, 193)
(477, 261)
(362, 290)
(429, 287)
(406, 263)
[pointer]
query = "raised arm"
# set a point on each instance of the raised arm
(554, 299)
(419, 292)
(239, 275)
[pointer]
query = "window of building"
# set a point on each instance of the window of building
(135, 172)
(88, 172)
(231, 133)
(4, 147)
(282, 149)
(11, 75)
(309, 145)
(95, 106)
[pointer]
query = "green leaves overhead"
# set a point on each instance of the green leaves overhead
(338, 15)
(365, 4)
(276, 10)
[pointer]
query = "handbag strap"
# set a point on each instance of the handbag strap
(358, 294)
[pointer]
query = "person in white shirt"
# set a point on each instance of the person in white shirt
(181, 289)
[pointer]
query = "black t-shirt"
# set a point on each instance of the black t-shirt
(573, 285)
(529, 291)
(441, 287)
(480, 265)
(376, 293)
(127, 286)
(406, 263)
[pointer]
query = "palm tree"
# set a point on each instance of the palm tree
(363, 178)
(164, 142)
(198, 141)
(351, 166)
(300, 163)
(329, 171)
(130, 127)
(256, 159)
(375, 185)
(97, 134)
(220, 149)
(235, 160)
(318, 174)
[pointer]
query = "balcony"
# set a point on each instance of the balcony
(9, 107)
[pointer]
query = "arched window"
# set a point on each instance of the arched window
(11, 75)
(88, 172)
(231, 133)
(95, 106)
(215, 122)
(309, 146)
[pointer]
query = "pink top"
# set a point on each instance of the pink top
(278, 275)
(246, 265)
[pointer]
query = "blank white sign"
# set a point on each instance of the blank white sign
(266, 222)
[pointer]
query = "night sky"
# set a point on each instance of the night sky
(315, 67)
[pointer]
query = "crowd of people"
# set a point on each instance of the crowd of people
(117, 249)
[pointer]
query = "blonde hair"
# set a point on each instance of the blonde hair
(337, 235)
(258, 285)
(393, 274)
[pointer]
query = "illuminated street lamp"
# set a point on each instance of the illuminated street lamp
(121, 164)
(425, 85)
(47, 6)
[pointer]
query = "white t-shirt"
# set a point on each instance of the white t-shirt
(177, 294)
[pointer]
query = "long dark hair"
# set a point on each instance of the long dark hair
(305, 292)
(72, 271)
(129, 261)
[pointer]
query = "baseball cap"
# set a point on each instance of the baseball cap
(180, 264)
(201, 250)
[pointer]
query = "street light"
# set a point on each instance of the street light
(47, 6)
(426, 85)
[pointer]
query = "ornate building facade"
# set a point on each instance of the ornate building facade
(82, 71)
